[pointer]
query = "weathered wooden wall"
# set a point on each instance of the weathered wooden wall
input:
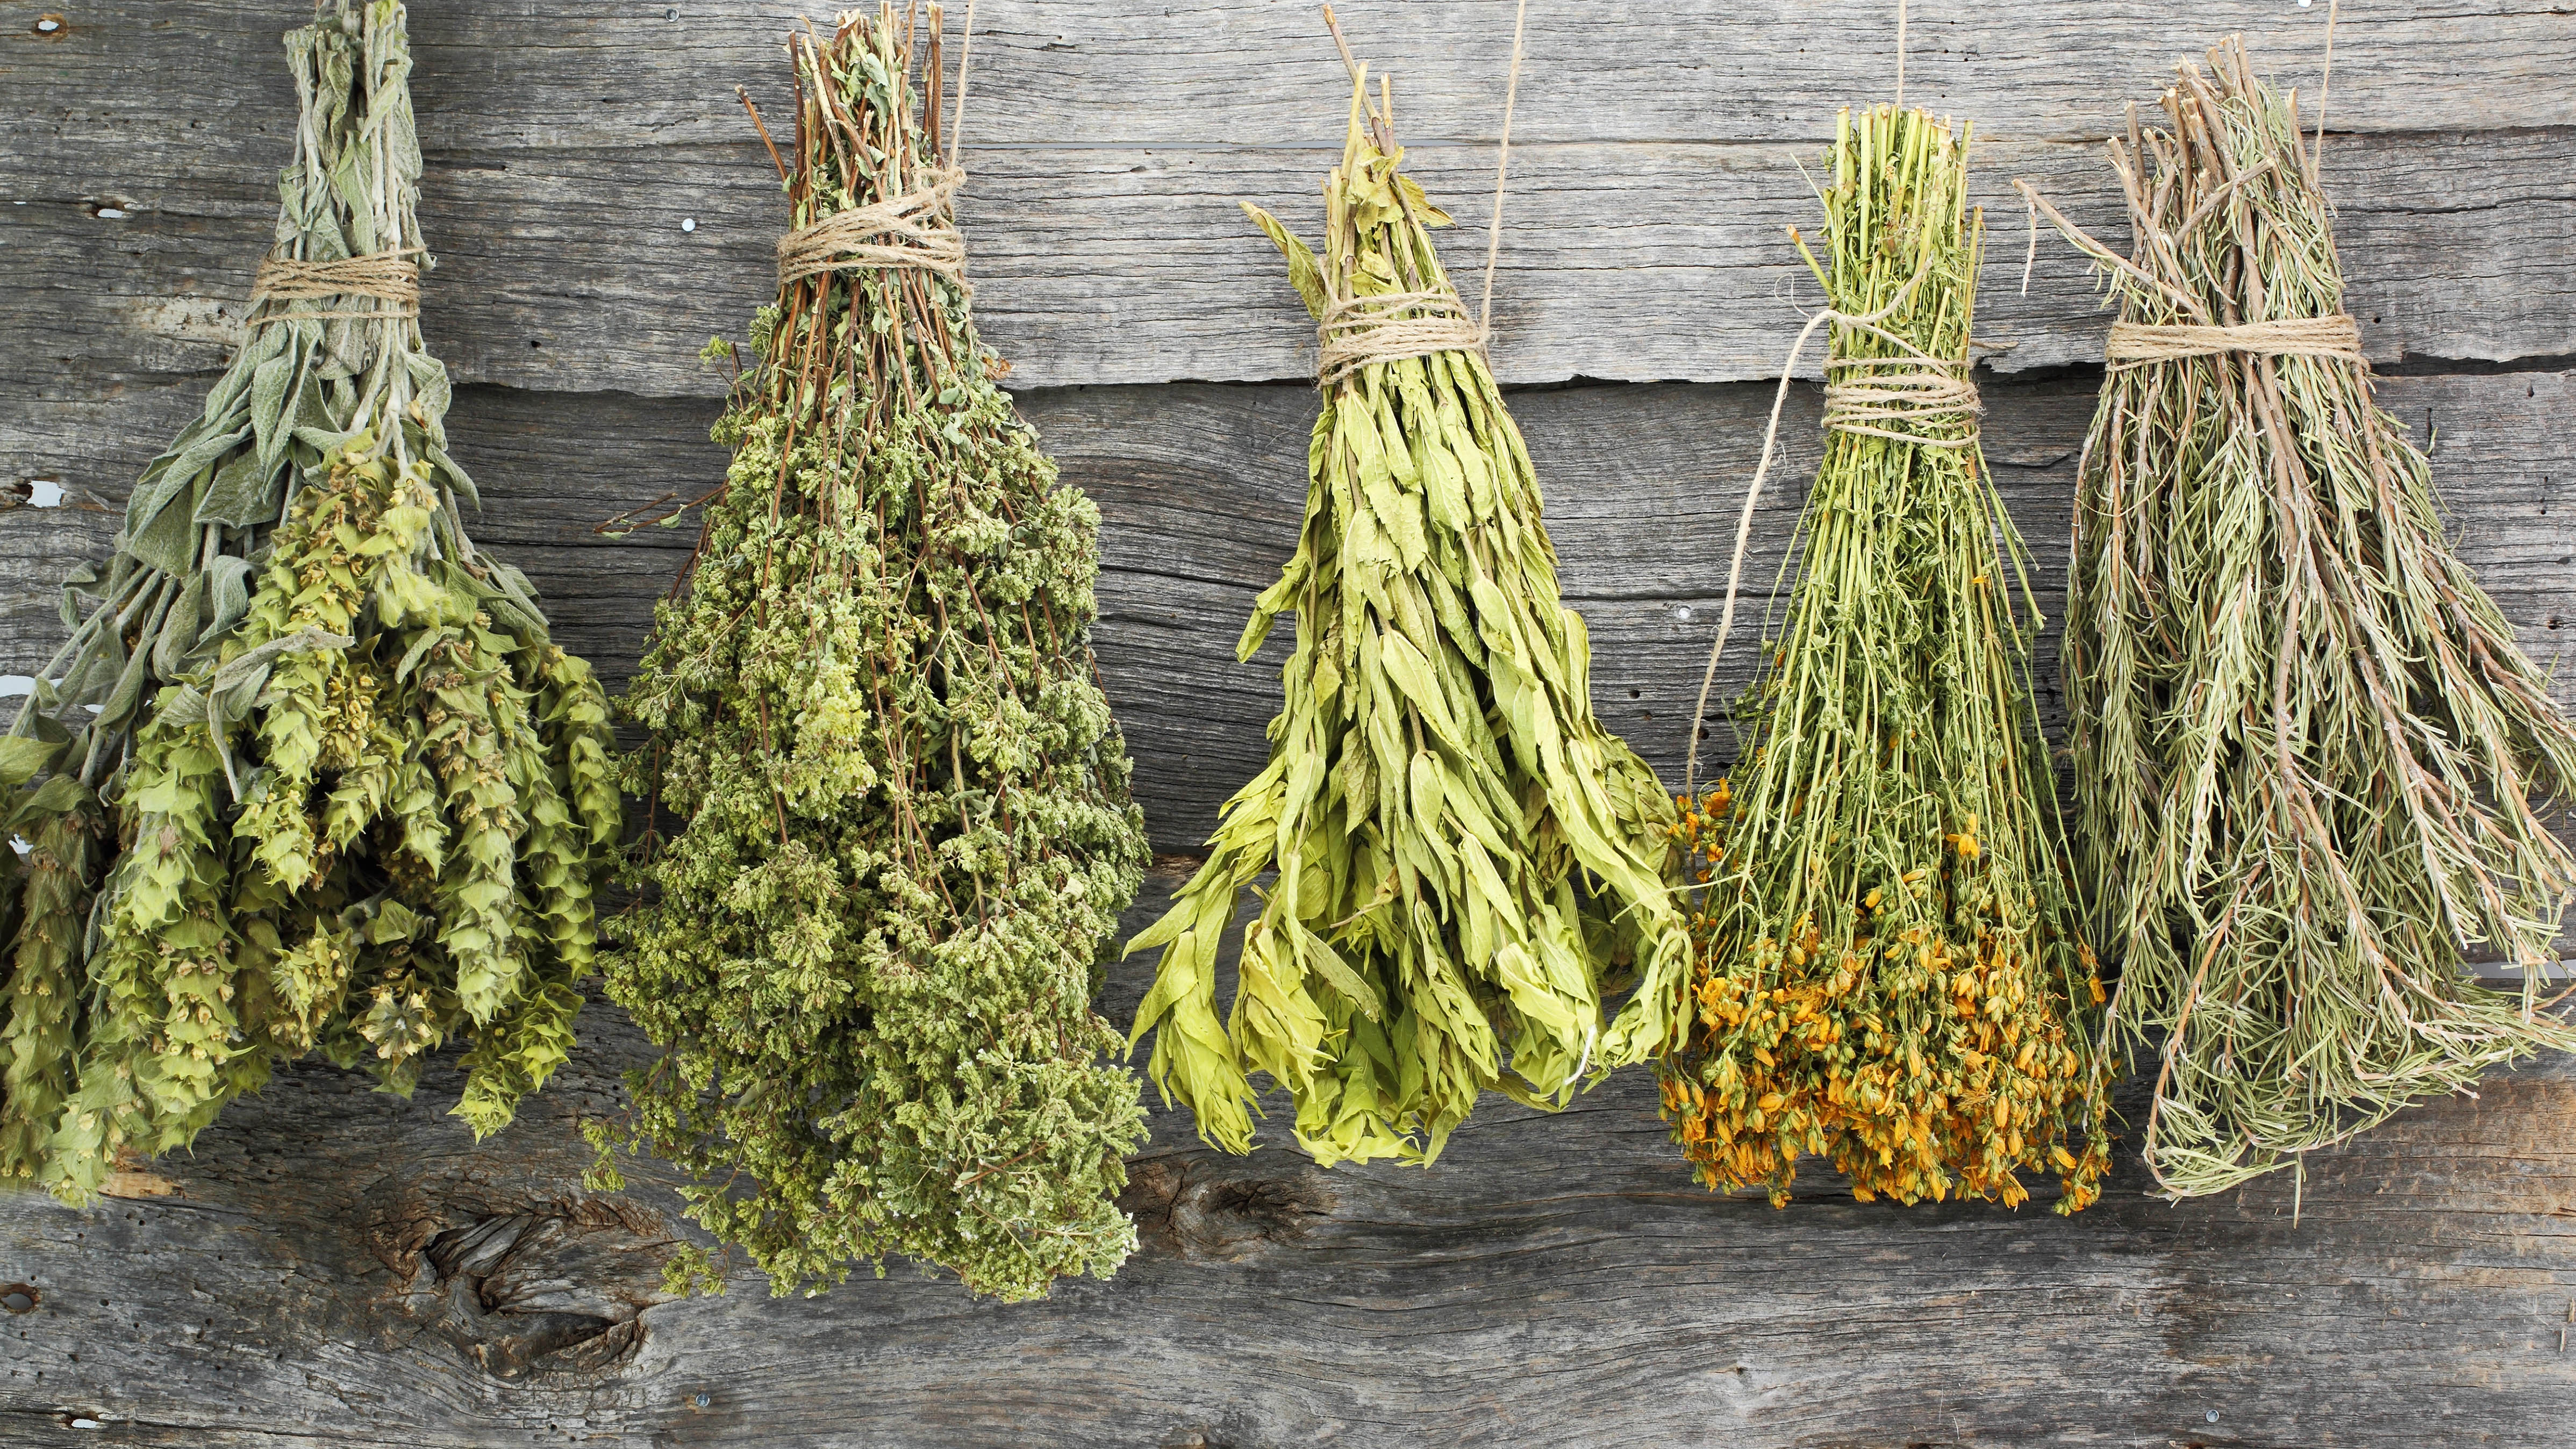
(334, 1266)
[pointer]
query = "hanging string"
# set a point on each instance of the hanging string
(2325, 86)
(965, 59)
(1502, 167)
(1900, 54)
(1867, 321)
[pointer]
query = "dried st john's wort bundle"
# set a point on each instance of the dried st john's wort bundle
(1466, 859)
(2306, 742)
(355, 800)
(1889, 970)
(890, 830)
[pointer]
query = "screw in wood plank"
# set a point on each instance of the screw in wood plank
(701, 1399)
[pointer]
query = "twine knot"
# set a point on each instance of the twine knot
(914, 232)
(2135, 344)
(1358, 331)
(387, 276)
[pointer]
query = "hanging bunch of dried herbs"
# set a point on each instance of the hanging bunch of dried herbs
(890, 831)
(1466, 859)
(358, 799)
(2305, 740)
(1889, 967)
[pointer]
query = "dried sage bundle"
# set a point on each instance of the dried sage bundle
(358, 801)
(1467, 861)
(890, 830)
(2306, 742)
(1890, 969)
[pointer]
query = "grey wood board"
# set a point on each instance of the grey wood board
(570, 271)
(1107, 245)
(586, 73)
(335, 1266)
(1201, 488)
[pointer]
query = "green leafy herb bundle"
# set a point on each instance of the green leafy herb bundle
(1466, 859)
(1889, 966)
(890, 828)
(359, 801)
(2306, 742)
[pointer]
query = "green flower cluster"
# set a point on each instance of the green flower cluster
(889, 825)
(358, 801)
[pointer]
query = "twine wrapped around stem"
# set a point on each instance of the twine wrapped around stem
(1902, 398)
(916, 231)
(388, 276)
(1358, 331)
(2134, 344)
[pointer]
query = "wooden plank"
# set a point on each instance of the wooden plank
(1638, 247)
(1201, 488)
(336, 1266)
(605, 73)
(569, 271)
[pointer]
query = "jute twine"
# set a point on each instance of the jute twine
(388, 276)
(1902, 399)
(2136, 344)
(1359, 331)
(915, 231)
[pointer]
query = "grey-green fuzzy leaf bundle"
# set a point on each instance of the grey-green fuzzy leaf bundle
(1467, 860)
(2306, 742)
(889, 830)
(309, 775)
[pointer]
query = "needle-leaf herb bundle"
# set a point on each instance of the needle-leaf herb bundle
(359, 799)
(1889, 970)
(890, 829)
(1466, 859)
(2306, 742)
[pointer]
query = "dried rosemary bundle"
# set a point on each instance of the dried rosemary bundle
(2305, 740)
(1465, 856)
(359, 800)
(1889, 968)
(890, 831)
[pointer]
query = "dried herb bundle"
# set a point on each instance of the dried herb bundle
(1889, 969)
(1465, 856)
(2305, 740)
(361, 799)
(890, 825)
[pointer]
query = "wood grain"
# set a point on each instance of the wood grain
(1201, 488)
(336, 1266)
(332, 1266)
(1646, 245)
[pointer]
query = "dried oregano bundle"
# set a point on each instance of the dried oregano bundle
(358, 800)
(1890, 970)
(2305, 739)
(1466, 858)
(890, 830)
